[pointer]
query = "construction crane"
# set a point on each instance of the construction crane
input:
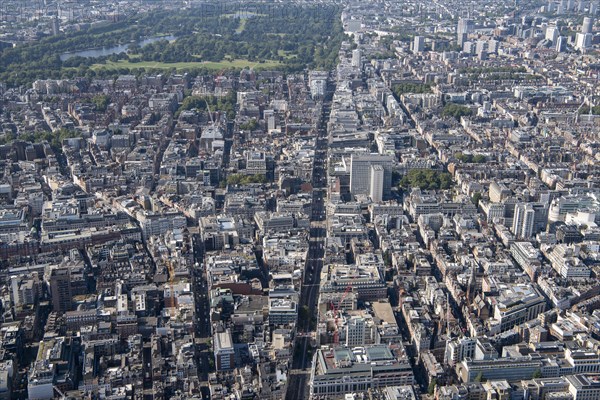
(60, 393)
(218, 78)
(336, 333)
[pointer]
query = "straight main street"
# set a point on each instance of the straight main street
(298, 379)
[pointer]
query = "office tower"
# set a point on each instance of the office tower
(419, 44)
(465, 26)
(60, 289)
(356, 58)
(523, 221)
(360, 172)
(377, 176)
(587, 25)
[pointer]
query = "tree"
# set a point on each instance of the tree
(101, 102)
(456, 110)
(479, 377)
(241, 179)
(303, 314)
(417, 88)
(432, 385)
(426, 179)
(537, 374)
(387, 258)
(475, 199)
(250, 125)
(469, 158)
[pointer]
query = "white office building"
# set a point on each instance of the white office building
(360, 172)
(377, 180)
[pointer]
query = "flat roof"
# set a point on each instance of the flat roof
(383, 310)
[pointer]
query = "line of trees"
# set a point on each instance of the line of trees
(470, 158)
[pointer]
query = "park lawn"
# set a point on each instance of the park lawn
(286, 54)
(236, 64)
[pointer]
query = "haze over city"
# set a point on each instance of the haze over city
(304, 200)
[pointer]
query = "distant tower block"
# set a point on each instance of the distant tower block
(587, 26)
(464, 27)
(419, 44)
(356, 58)
(55, 26)
(552, 34)
(560, 44)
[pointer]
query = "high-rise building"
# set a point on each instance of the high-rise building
(465, 26)
(552, 34)
(360, 172)
(377, 178)
(419, 44)
(469, 47)
(481, 49)
(55, 26)
(588, 24)
(356, 58)
(583, 41)
(570, 5)
(523, 221)
(560, 44)
(60, 289)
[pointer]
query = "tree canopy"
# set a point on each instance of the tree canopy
(426, 179)
(307, 37)
(470, 158)
(456, 110)
(418, 88)
(241, 179)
